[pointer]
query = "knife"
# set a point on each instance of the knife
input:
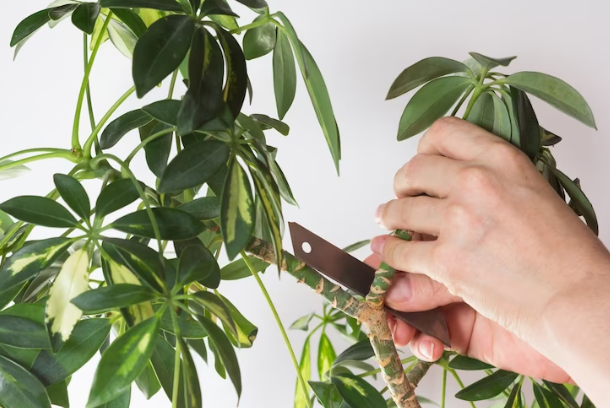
(350, 272)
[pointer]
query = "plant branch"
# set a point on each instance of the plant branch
(88, 90)
(62, 154)
(35, 150)
(460, 383)
(280, 325)
(418, 371)
(378, 370)
(93, 137)
(79, 104)
(176, 384)
(147, 141)
(461, 102)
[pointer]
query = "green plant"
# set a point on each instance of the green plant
(147, 308)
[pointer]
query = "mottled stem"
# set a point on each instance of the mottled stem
(418, 372)
(337, 297)
(401, 390)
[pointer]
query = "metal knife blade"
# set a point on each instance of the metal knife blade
(357, 276)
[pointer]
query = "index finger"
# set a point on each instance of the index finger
(457, 139)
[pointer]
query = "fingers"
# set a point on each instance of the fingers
(457, 139)
(402, 333)
(422, 214)
(411, 292)
(411, 256)
(373, 260)
(426, 348)
(426, 174)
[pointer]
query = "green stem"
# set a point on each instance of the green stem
(280, 326)
(100, 125)
(147, 141)
(143, 197)
(258, 23)
(35, 150)
(172, 84)
(177, 362)
(461, 102)
(460, 383)
(63, 154)
(444, 389)
(88, 90)
(79, 105)
(478, 90)
(378, 370)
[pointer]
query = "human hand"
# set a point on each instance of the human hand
(509, 254)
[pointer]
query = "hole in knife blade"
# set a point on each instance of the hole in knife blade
(306, 247)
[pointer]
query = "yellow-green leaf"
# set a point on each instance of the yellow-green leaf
(300, 398)
(326, 355)
(121, 275)
(61, 314)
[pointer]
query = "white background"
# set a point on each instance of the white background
(360, 46)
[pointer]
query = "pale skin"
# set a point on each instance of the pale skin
(523, 282)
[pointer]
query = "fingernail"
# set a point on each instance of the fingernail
(378, 213)
(401, 290)
(378, 243)
(392, 324)
(426, 349)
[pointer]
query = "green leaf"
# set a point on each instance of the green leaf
(483, 112)
(545, 398)
(282, 183)
(29, 25)
(165, 5)
(218, 365)
(122, 401)
(86, 339)
(359, 351)
(317, 92)
(529, 129)
(32, 258)
(514, 398)
(204, 208)
(7, 296)
(357, 245)
(107, 298)
(254, 4)
(198, 264)
(460, 362)
(58, 394)
(302, 323)
(85, 15)
(326, 355)
(160, 50)
(217, 7)
(577, 195)
(122, 38)
(502, 125)
(147, 382)
(237, 72)
(327, 394)
(489, 63)
(122, 362)
(73, 193)
(200, 348)
(423, 71)
(225, 351)
(284, 74)
(586, 403)
(488, 387)
(115, 196)
(173, 224)
(555, 92)
(204, 95)
(39, 211)
(300, 398)
(21, 332)
(218, 308)
(61, 315)
(165, 111)
(246, 331)
(430, 103)
(268, 122)
(239, 270)
(189, 327)
(561, 392)
(158, 150)
(194, 165)
(140, 259)
(357, 392)
(549, 138)
(162, 360)
(131, 20)
(237, 210)
(192, 389)
(259, 41)
(19, 388)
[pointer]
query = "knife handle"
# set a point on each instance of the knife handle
(430, 322)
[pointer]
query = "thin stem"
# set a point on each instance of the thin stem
(35, 150)
(100, 125)
(280, 326)
(478, 90)
(461, 102)
(79, 105)
(147, 141)
(378, 370)
(460, 383)
(444, 389)
(63, 154)
(261, 22)
(177, 362)
(88, 90)
(172, 84)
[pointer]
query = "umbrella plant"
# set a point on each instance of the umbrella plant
(132, 272)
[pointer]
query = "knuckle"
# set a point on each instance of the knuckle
(474, 177)
(506, 154)
(439, 129)
(406, 175)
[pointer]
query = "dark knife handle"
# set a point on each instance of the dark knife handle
(431, 322)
